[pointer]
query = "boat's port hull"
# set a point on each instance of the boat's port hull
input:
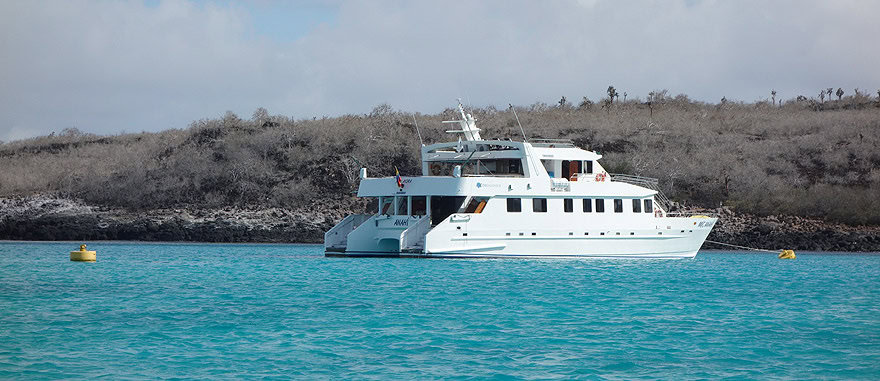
(476, 255)
(670, 238)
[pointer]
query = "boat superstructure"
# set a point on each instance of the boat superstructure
(502, 198)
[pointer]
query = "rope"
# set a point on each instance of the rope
(740, 247)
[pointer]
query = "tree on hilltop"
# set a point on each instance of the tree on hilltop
(260, 116)
(587, 103)
(839, 93)
(563, 102)
(612, 92)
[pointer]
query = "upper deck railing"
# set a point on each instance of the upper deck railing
(647, 182)
(693, 213)
(552, 143)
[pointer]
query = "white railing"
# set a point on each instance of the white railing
(647, 182)
(337, 236)
(692, 213)
(551, 142)
(413, 237)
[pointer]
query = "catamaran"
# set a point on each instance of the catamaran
(503, 198)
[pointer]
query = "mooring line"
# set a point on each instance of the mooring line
(741, 247)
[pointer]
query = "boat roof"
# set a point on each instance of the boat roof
(484, 149)
(565, 153)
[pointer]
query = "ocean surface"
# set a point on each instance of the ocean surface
(278, 311)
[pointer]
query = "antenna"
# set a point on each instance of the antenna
(417, 130)
(467, 123)
(517, 122)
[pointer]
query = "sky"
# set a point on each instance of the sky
(111, 67)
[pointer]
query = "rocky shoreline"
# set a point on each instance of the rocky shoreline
(791, 232)
(46, 218)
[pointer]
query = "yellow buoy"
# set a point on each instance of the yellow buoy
(83, 255)
(787, 254)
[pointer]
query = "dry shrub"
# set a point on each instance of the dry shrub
(757, 158)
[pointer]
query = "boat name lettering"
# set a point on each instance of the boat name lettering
(401, 222)
(481, 185)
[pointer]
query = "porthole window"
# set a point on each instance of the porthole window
(637, 206)
(618, 205)
(588, 205)
(568, 205)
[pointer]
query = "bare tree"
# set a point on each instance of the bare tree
(586, 103)
(562, 102)
(829, 91)
(773, 97)
(822, 95)
(260, 116)
(624, 97)
(839, 93)
(612, 92)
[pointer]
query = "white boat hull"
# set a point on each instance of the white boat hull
(678, 237)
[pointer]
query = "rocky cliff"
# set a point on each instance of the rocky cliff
(48, 218)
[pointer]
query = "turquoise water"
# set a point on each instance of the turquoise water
(248, 311)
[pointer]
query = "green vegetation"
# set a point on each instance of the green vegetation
(804, 157)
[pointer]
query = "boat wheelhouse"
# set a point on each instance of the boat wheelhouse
(502, 198)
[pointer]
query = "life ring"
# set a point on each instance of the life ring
(600, 177)
(658, 213)
(436, 169)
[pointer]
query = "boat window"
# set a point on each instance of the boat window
(419, 205)
(600, 205)
(649, 207)
(637, 205)
(539, 205)
(481, 167)
(569, 205)
(514, 166)
(588, 165)
(372, 206)
(548, 165)
(476, 205)
(401, 206)
(386, 205)
(443, 206)
(514, 205)
(618, 205)
(588, 205)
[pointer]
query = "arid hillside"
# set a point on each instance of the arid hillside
(801, 158)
